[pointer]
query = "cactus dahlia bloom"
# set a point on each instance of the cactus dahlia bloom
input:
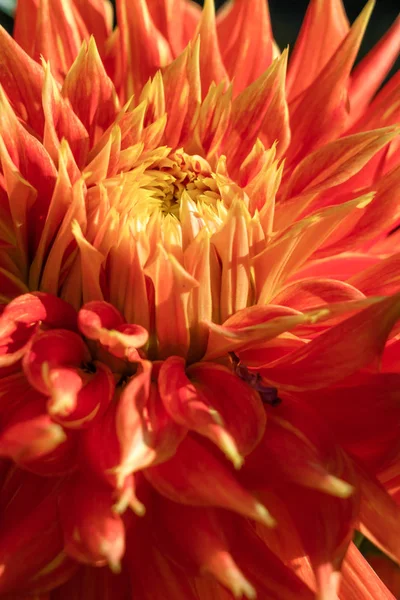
(200, 303)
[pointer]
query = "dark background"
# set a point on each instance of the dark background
(287, 15)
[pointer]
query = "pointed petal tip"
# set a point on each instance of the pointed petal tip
(228, 446)
(337, 487)
(264, 515)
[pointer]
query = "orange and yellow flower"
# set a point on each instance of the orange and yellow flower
(200, 303)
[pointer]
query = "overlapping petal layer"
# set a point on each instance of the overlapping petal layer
(200, 303)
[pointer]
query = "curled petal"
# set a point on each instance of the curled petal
(102, 322)
(21, 318)
(138, 430)
(31, 439)
(51, 366)
(91, 402)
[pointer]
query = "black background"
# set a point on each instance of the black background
(287, 15)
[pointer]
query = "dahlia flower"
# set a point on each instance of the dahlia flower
(200, 303)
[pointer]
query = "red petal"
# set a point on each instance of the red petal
(102, 322)
(330, 357)
(29, 539)
(57, 27)
(375, 440)
(21, 317)
(93, 583)
(93, 533)
(367, 77)
(207, 549)
(196, 477)
(199, 404)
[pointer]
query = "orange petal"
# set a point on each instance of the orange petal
(320, 113)
(138, 30)
(57, 27)
(102, 322)
(329, 357)
(259, 111)
(307, 293)
(337, 161)
(61, 122)
(232, 245)
(172, 284)
(22, 78)
(323, 30)
(368, 75)
(359, 580)
(241, 22)
(212, 68)
(90, 91)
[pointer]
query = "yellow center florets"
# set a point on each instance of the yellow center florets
(179, 173)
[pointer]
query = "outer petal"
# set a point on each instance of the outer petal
(329, 357)
(31, 539)
(138, 30)
(90, 91)
(370, 72)
(93, 533)
(198, 404)
(359, 580)
(211, 64)
(245, 21)
(323, 30)
(206, 551)
(21, 78)
(320, 113)
(196, 477)
(374, 441)
(93, 583)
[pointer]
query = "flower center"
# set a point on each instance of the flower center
(181, 173)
